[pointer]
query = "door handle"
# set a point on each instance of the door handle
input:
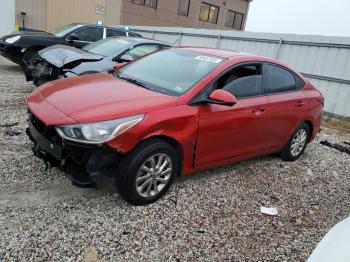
(258, 111)
(300, 104)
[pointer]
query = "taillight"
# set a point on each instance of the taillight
(321, 100)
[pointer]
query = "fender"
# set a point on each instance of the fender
(180, 124)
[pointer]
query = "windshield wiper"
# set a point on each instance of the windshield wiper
(134, 81)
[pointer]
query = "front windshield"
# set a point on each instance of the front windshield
(107, 47)
(173, 71)
(63, 30)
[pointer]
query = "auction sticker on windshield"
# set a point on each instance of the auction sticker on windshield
(209, 59)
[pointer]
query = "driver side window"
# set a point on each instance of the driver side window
(242, 81)
(90, 34)
(141, 50)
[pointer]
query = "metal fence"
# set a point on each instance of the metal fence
(323, 60)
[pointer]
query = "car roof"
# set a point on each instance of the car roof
(234, 55)
(211, 51)
(141, 40)
(95, 25)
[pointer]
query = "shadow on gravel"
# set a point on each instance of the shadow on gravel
(51, 194)
(11, 68)
(230, 169)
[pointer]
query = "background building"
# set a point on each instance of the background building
(7, 17)
(211, 14)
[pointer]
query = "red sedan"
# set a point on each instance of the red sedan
(172, 113)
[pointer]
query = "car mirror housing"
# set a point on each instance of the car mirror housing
(73, 37)
(222, 97)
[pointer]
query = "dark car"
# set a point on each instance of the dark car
(20, 47)
(60, 61)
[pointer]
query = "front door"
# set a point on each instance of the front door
(225, 132)
(87, 35)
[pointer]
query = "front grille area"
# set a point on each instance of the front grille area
(41, 69)
(47, 131)
(2, 47)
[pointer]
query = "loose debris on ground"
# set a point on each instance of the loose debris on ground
(9, 125)
(271, 211)
(11, 132)
(340, 147)
(211, 216)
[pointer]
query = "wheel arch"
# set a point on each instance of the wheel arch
(35, 48)
(30, 51)
(171, 141)
(311, 127)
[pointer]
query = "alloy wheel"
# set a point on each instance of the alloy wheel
(153, 175)
(298, 142)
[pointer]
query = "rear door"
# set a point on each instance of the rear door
(286, 104)
(227, 132)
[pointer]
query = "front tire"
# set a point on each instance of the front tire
(296, 144)
(147, 173)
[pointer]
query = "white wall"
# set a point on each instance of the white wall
(324, 60)
(7, 16)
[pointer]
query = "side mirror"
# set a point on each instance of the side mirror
(222, 97)
(73, 37)
(124, 59)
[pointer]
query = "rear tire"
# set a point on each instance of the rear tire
(147, 173)
(296, 144)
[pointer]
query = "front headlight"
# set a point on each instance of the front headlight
(13, 39)
(97, 133)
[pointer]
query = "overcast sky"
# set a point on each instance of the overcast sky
(315, 17)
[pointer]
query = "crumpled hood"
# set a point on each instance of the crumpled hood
(96, 97)
(60, 55)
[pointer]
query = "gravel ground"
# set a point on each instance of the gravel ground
(210, 216)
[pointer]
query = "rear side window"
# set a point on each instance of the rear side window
(242, 81)
(111, 32)
(280, 80)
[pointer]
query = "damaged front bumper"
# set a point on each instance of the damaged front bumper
(40, 71)
(11, 52)
(91, 160)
